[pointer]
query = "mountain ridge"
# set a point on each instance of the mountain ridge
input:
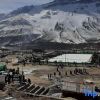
(75, 22)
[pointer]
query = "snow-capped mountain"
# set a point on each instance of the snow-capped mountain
(64, 21)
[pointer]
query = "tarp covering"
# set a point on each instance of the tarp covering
(2, 67)
(78, 58)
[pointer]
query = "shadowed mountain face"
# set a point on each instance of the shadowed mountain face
(25, 9)
(37, 9)
(2, 16)
(74, 1)
(62, 21)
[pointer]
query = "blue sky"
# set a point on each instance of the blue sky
(9, 5)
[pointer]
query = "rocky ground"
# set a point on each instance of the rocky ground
(39, 75)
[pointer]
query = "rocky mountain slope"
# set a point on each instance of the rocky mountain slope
(63, 21)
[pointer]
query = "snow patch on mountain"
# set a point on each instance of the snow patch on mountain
(69, 23)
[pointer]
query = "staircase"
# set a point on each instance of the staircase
(34, 90)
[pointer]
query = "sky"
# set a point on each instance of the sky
(9, 5)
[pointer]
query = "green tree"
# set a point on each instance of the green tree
(95, 59)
